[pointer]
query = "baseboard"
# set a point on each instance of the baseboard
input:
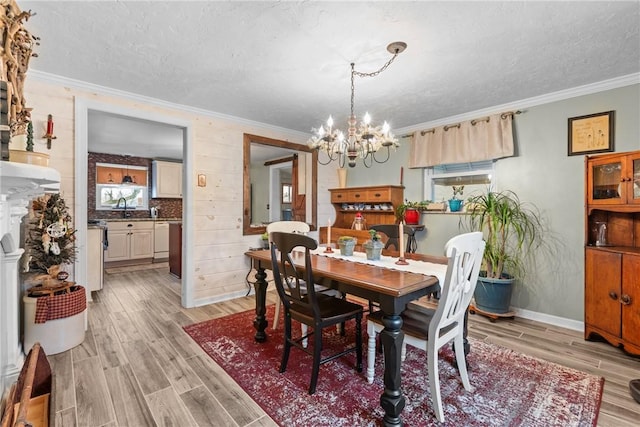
(562, 322)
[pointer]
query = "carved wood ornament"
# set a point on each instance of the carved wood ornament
(16, 49)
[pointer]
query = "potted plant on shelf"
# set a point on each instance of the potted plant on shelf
(455, 204)
(373, 247)
(511, 228)
(347, 244)
(409, 212)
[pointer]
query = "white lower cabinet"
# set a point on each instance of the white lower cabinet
(130, 241)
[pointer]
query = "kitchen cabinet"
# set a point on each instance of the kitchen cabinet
(377, 204)
(166, 179)
(612, 249)
(113, 174)
(175, 249)
(130, 241)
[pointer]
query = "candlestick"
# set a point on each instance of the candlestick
(401, 232)
(49, 125)
(328, 248)
(401, 260)
(49, 135)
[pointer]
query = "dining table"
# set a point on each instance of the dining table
(391, 286)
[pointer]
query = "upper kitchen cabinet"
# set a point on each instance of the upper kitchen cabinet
(166, 180)
(115, 174)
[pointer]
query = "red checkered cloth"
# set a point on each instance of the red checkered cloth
(58, 306)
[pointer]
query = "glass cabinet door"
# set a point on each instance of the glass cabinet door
(635, 180)
(606, 181)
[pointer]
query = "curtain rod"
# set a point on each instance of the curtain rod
(473, 122)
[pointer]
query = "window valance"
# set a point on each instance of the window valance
(475, 140)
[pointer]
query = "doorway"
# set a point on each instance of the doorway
(82, 109)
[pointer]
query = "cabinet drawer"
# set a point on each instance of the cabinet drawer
(129, 225)
(339, 196)
(379, 195)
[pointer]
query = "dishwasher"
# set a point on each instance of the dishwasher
(161, 241)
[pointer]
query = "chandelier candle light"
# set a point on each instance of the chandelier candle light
(363, 141)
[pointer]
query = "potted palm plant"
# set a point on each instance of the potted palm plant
(511, 228)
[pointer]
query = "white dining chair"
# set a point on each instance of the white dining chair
(430, 329)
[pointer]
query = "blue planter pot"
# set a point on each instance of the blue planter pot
(493, 295)
(455, 205)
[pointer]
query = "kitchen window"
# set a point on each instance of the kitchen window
(120, 184)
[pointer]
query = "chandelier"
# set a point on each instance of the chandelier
(363, 141)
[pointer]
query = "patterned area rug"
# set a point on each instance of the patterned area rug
(510, 389)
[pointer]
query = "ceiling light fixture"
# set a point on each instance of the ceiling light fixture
(364, 141)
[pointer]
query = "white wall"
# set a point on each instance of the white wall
(218, 244)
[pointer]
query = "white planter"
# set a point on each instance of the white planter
(55, 336)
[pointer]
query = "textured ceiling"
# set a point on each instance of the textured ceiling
(287, 63)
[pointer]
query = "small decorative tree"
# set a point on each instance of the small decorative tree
(29, 136)
(50, 239)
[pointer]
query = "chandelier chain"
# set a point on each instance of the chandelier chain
(372, 74)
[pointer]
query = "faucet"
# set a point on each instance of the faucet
(124, 212)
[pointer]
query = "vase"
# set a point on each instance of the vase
(373, 249)
(342, 178)
(411, 216)
(346, 248)
(455, 205)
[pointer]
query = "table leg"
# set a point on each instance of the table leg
(260, 322)
(392, 400)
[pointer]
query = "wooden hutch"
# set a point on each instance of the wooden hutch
(377, 204)
(612, 249)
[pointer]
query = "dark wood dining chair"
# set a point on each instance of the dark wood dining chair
(430, 329)
(392, 231)
(304, 304)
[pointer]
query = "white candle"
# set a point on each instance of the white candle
(329, 233)
(401, 232)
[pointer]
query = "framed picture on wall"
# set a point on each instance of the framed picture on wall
(591, 134)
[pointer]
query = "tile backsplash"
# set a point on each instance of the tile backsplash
(167, 208)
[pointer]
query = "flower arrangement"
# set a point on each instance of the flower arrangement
(344, 239)
(375, 236)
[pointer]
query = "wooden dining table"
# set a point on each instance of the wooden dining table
(391, 289)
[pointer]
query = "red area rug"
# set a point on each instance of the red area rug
(510, 389)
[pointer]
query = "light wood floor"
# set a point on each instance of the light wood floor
(138, 367)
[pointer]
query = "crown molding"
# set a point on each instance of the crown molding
(107, 91)
(615, 83)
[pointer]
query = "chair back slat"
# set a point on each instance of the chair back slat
(291, 283)
(465, 257)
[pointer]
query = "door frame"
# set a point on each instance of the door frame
(82, 107)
